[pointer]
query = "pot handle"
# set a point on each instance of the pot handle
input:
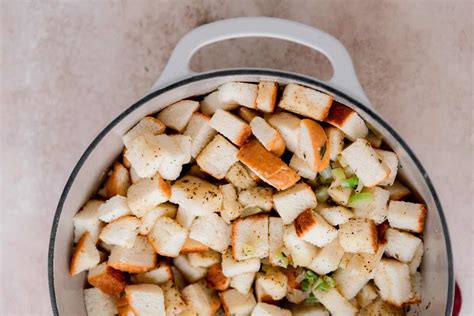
(344, 77)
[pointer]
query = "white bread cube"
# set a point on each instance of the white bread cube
(214, 101)
(85, 255)
(273, 283)
(335, 303)
(416, 284)
(146, 194)
(232, 267)
(243, 282)
(266, 96)
(295, 296)
(305, 101)
(144, 155)
(184, 144)
(393, 280)
(200, 131)
(380, 307)
(335, 140)
(178, 279)
(339, 194)
(241, 177)
(401, 245)
(293, 201)
(121, 232)
(196, 195)
(167, 237)
(236, 303)
(313, 228)
(118, 181)
(231, 126)
(246, 114)
(217, 157)
(327, 259)
(268, 136)
(397, 191)
(175, 304)
(367, 295)
(202, 300)
(147, 126)
(134, 176)
(107, 279)
(250, 237)
(140, 258)
(184, 217)
(145, 299)
(160, 275)
(336, 215)
(99, 303)
(215, 278)
(258, 196)
(162, 210)
(288, 126)
(407, 216)
(87, 219)
(193, 246)
(302, 167)
(241, 93)
(391, 160)
(212, 231)
(313, 146)
(114, 208)
(376, 208)
(231, 207)
(190, 273)
(177, 115)
(276, 247)
(359, 235)
(309, 310)
(172, 152)
(204, 259)
(366, 164)
(416, 261)
(264, 309)
(302, 252)
(347, 120)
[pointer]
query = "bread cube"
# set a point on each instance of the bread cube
(99, 303)
(214, 101)
(232, 267)
(193, 246)
(140, 258)
(393, 280)
(415, 280)
(231, 126)
(347, 120)
(217, 157)
(243, 282)
(302, 167)
(215, 278)
(250, 237)
(376, 208)
(162, 210)
(145, 299)
(311, 227)
(401, 245)
(335, 303)
(85, 255)
(236, 303)
(118, 181)
(276, 247)
(407, 216)
(114, 208)
(327, 259)
(159, 275)
(201, 300)
(302, 252)
(147, 126)
(246, 114)
(200, 131)
(204, 259)
(305, 101)
(268, 136)
(212, 231)
(313, 146)
(358, 235)
(106, 278)
(336, 215)
(172, 152)
(240, 176)
(309, 310)
(167, 237)
(146, 194)
(231, 208)
(266, 96)
(416, 261)
(184, 217)
(335, 140)
(291, 202)
(288, 126)
(134, 177)
(264, 309)
(121, 232)
(144, 155)
(177, 115)
(380, 307)
(271, 285)
(175, 305)
(87, 219)
(390, 159)
(190, 273)
(366, 295)
(241, 93)
(397, 191)
(257, 196)
(339, 194)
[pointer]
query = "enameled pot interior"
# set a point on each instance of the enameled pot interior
(66, 292)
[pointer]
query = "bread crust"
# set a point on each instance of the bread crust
(319, 142)
(216, 279)
(338, 114)
(80, 247)
(266, 96)
(112, 281)
(191, 246)
(246, 114)
(304, 222)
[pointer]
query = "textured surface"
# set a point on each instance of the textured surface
(69, 67)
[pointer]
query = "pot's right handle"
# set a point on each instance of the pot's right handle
(344, 76)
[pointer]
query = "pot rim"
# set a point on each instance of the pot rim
(257, 72)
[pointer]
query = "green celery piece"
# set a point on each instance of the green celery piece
(359, 199)
(322, 194)
(305, 285)
(310, 275)
(352, 182)
(311, 298)
(338, 174)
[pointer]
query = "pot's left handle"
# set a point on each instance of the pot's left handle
(344, 77)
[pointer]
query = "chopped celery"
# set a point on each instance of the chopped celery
(250, 210)
(248, 250)
(338, 175)
(310, 275)
(352, 182)
(311, 298)
(322, 194)
(305, 285)
(360, 199)
(325, 283)
(266, 267)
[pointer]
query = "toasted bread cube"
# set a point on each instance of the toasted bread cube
(302, 252)
(212, 231)
(295, 296)
(391, 160)
(347, 120)
(313, 145)
(184, 217)
(401, 245)
(167, 237)
(140, 258)
(266, 96)
(358, 235)
(177, 115)
(415, 280)
(148, 220)
(215, 278)
(293, 201)
(305, 101)
(147, 126)
(125, 161)
(201, 299)
(335, 303)
(267, 166)
(362, 158)
(240, 176)
(160, 275)
(236, 303)
(118, 181)
(231, 208)
(398, 191)
(200, 131)
(146, 194)
(268, 136)
(196, 195)
(336, 215)
(144, 155)
(264, 309)
(416, 261)
(241, 93)
(85, 255)
(214, 101)
(339, 194)
(336, 141)
(231, 126)
(99, 303)
(125, 310)
(204, 259)
(134, 177)
(366, 295)
(274, 284)
(393, 280)
(246, 114)
(327, 259)
(172, 152)
(232, 267)
(302, 167)
(190, 273)
(376, 208)
(121, 232)
(87, 219)
(257, 196)
(106, 278)
(243, 282)
(193, 246)
(114, 208)
(276, 247)
(217, 157)
(288, 126)
(313, 228)
(145, 299)
(250, 237)
(175, 304)
(407, 216)
(380, 307)
(309, 310)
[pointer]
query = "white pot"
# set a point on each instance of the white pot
(179, 82)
